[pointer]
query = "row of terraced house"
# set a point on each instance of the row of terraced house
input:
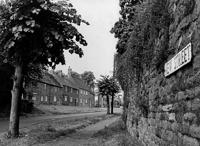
(59, 89)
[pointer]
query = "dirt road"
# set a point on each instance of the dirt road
(31, 121)
(83, 137)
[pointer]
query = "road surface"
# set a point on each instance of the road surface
(31, 121)
(83, 137)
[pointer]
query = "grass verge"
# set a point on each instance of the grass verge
(50, 131)
(116, 135)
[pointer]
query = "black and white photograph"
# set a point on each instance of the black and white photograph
(99, 72)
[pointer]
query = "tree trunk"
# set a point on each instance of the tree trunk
(15, 103)
(112, 104)
(108, 105)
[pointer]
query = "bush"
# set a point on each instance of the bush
(26, 106)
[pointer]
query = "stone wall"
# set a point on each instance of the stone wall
(173, 117)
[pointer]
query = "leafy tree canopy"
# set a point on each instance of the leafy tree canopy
(137, 31)
(107, 86)
(123, 28)
(75, 74)
(89, 78)
(38, 32)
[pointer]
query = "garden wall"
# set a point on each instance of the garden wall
(173, 114)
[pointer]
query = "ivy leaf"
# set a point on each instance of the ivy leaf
(11, 44)
(36, 11)
(30, 23)
(71, 51)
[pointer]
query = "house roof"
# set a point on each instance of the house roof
(49, 79)
(80, 83)
(63, 80)
(70, 80)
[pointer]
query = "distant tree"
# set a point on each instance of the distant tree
(75, 74)
(35, 33)
(114, 87)
(89, 78)
(108, 87)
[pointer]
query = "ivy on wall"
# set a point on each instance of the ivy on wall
(143, 43)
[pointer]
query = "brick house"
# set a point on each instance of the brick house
(70, 92)
(46, 91)
(86, 95)
(57, 88)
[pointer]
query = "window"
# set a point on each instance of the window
(86, 101)
(34, 98)
(54, 99)
(55, 89)
(45, 86)
(42, 99)
(46, 99)
(65, 98)
(81, 101)
(71, 90)
(71, 99)
(68, 89)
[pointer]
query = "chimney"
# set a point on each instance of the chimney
(69, 72)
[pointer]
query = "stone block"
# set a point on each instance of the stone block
(190, 118)
(181, 95)
(166, 125)
(188, 141)
(152, 122)
(158, 115)
(195, 131)
(197, 90)
(174, 140)
(152, 115)
(164, 116)
(167, 135)
(175, 127)
(172, 117)
(167, 108)
(176, 107)
(161, 92)
(180, 140)
(195, 104)
(196, 64)
(188, 106)
(190, 93)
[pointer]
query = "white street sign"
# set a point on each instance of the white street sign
(179, 60)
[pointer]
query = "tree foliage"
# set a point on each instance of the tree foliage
(141, 25)
(38, 31)
(137, 31)
(107, 86)
(75, 74)
(89, 78)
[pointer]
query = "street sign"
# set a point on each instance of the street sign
(179, 60)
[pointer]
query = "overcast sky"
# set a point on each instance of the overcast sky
(98, 55)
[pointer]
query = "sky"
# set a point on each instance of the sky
(99, 53)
